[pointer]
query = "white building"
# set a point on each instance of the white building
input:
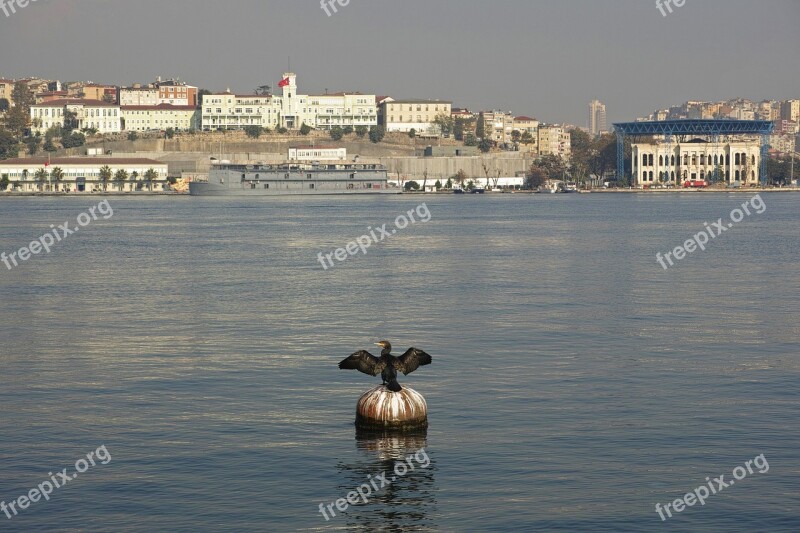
(405, 115)
(82, 174)
(674, 163)
(232, 112)
(289, 110)
(102, 116)
(160, 117)
(139, 96)
(317, 153)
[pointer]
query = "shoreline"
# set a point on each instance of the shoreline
(754, 190)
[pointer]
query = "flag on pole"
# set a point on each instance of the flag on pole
(284, 82)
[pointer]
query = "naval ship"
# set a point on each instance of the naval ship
(230, 179)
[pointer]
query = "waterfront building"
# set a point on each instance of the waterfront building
(160, 117)
(102, 116)
(597, 117)
(403, 115)
(733, 162)
(81, 174)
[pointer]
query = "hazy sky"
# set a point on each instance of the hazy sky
(546, 59)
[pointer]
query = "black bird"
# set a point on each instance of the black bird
(387, 364)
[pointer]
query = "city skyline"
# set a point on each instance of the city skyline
(549, 70)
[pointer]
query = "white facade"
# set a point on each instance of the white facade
(232, 112)
(405, 115)
(289, 110)
(102, 116)
(139, 97)
(675, 163)
(317, 153)
(160, 117)
(81, 172)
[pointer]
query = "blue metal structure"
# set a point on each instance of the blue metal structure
(708, 127)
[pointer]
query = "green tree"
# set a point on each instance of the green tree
(376, 134)
(281, 130)
(73, 140)
(445, 123)
(4, 105)
(120, 177)
(57, 175)
(449, 184)
(9, 147)
(485, 146)
(412, 133)
(133, 178)
(526, 138)
(438, 184)
(305, 129)
(336, 133)
(169, 133)
(254, 132)
(4, 181)
(70, 122)
(49, 146)
(361, 131)
(41, 177)
(535, 177)
(133, 136)
(480, 127)
(18, 118)
(105, 176)
(348, 130)
(150, 176)
(470, 140)
(553, 165)
(411, 185)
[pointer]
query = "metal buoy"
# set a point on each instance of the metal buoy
(380, 408)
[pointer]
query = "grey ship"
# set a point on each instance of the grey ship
(229, 179)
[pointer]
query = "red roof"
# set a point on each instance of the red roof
(525, 119)
(75, 101)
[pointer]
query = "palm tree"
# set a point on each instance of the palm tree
(24, 177)
(41, 176)
(57, 174)
(105, 175)
(134, 177)
(120, 178)
(150, 176)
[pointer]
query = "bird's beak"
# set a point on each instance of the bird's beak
(379, 344)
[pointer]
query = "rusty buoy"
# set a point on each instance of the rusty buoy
(380, 408)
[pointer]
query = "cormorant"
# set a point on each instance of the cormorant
(387, 365)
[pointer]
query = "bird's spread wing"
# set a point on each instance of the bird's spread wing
(411, 360)
(363, 361)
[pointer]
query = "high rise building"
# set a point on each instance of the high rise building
(597, 117)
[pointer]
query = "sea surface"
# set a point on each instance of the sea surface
(575, 383)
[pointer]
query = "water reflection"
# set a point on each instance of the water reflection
(406, 502)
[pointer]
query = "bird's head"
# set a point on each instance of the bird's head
(384, 344)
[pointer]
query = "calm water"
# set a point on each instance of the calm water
(575, 383)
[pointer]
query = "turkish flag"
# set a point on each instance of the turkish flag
(47, 164)
(284, 82)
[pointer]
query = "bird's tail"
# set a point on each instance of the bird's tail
(394, 386)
